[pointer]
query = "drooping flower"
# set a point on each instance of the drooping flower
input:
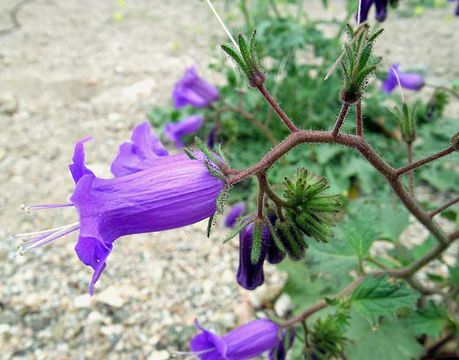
(234, 214)
(139, 154)
(280, 351)
(245, 342)
(250, 275)
(193, 90)
(174, 191)
(407, 80)
(176, 131)
(365, 6)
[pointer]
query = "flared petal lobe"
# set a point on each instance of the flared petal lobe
(245, 342)
(176, 191)
(139, 154)
(192, 90)
(176, 131)
(234, 214)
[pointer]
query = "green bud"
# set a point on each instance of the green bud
(291, 239)
(406, 118)
(246, 58)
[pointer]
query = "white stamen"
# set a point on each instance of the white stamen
(222, 24)
(29, 234)
(41, 207)
(399, 84)
(40, 241)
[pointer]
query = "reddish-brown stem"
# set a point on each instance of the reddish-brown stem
(409, 150)
(305, 136)
(341, 117)
(424, 161)
(275, 106)
(444, 207)
(358, 118)
(323, 304)
(261, 196)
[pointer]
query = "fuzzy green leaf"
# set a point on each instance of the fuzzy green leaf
(376, 297)
(232, 54)
(430, 321)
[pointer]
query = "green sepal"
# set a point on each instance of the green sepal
(256, 243)
(221, 199)
(231, 53)
(210, 225)
(214, 171)
(236, 230)
(245, 51)
(275, 237)
(206, 151)
(294, 248)
(190, 153)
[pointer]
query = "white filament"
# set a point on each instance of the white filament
(222, 24)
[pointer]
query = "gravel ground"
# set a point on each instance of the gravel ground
(69, 72)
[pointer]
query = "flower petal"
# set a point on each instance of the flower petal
(139, 154)
(78, 167)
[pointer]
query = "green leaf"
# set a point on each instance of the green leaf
(206, 151)
(454, 275)
(359, 231)
(376, 297)
(391, 341)
(429, 321)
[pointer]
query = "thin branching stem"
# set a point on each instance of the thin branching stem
(409, 151)
(340, 120)
(358, 118)
(419, 163)
(444, 207)
(277, 109)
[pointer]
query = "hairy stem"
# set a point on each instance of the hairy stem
(323, 304)
(424, 161)
(358, 118)
(275, 106)
(444, 207)
(409, 150)
(341, 117)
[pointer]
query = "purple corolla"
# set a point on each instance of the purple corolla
(176, 131)
(168, 192)
(457, 7)
(193, 90)
(280, 351)
(407, 80)
(250, 275)
(234, 214)
(245, 342)
(381, 10)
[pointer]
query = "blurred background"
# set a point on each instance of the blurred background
(69, 69)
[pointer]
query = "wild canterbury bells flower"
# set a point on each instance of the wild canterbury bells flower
(381, 10)
(176, 131)
(245, 342)
(234, 214)
(148, 194)
(407, 80)
(192, 90)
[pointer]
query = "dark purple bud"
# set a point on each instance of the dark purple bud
(249, 275)
(365, 6)
(212, 137)
(176, 131)
(234, 214)
(280, 352)
(245, 342)
(192, 90)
